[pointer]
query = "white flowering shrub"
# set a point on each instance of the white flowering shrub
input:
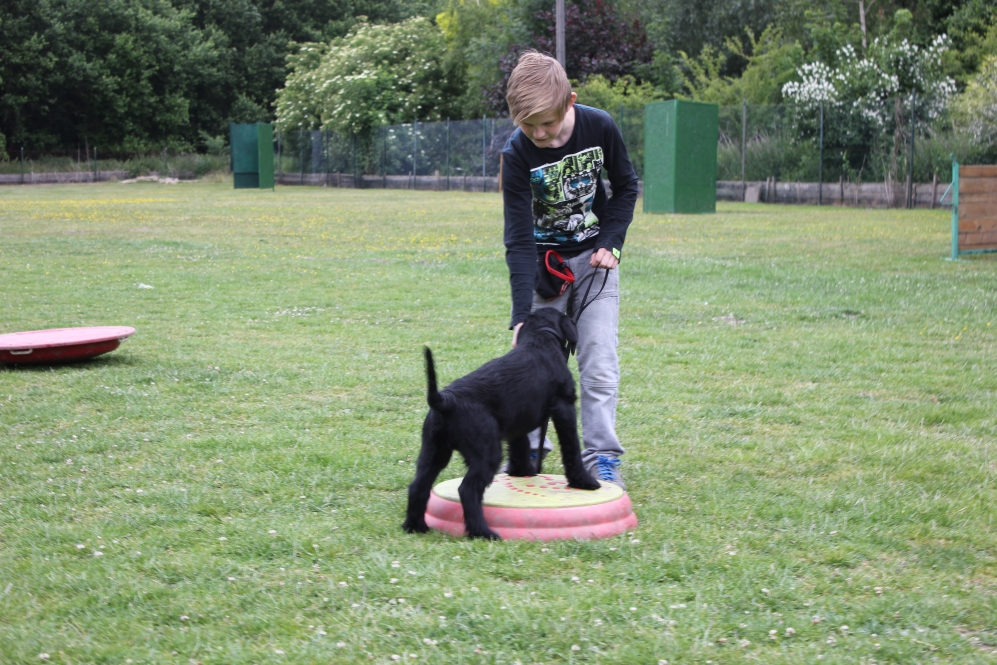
(375, 75)
(867, 103)
(891, 69)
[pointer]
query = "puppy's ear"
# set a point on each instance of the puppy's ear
(570, 333)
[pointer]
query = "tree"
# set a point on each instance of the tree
(869, 95)
(485, 40)
(113, 72)
(973, 28)
(772, 62)
(375, 75)
(599, 40)
(132, 75)
(255, 38)
(975, 110)
(894, 67)
(695, 24)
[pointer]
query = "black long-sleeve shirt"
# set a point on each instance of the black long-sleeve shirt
(554, 198)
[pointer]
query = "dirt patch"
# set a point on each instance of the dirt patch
(151, 178)
(729, 319)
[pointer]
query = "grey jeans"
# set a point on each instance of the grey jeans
(598, 365)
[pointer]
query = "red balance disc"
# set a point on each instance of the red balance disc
(61, 344)
(537, 508)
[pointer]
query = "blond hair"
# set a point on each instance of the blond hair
(537, 84)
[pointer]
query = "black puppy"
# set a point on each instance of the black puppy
(505, 398)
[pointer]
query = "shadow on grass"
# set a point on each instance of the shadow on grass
(121, 360)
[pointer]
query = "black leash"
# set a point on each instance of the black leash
(585, 302)
(540, 448)
(590, 278)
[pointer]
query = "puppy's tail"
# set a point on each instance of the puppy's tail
(440, 402)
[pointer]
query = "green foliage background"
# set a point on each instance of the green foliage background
(137, 75)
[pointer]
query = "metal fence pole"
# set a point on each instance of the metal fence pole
(166, 162)
(415, 153)
(955, 208)
(482, 152)
(96, 168)
(910, 166)
(623, 133)
(448, 154)
(22, 164)
(301, 168)
(820, 165)
(559, 48)
(744, 144)
(384, 158)
(280, 154)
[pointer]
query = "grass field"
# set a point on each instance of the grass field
(809, 401)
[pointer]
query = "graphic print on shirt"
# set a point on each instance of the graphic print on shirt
(563, 193)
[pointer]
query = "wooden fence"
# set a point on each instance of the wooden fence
(974, 209)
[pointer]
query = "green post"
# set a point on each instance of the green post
(251, 155)
(264, 145)
(680, 156)
(955, 210)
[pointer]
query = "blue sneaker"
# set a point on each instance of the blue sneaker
(606, 470)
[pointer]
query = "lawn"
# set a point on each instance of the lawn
(809, 402)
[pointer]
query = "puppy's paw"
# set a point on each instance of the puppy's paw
(521, 471)
(487, 534)
(415, 526)
(584, 481)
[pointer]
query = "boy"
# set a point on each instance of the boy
(554, 199)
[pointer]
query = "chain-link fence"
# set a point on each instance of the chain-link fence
(861, 145)
(897, 146)
(894, 154)
(460, 154)
(884, 155)
(453, 154)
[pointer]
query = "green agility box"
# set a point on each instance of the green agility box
(680, 156)
(252, 155)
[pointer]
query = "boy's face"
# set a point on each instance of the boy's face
(544, 127)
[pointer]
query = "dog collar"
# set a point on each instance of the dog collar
(553, 332)
(569, 347)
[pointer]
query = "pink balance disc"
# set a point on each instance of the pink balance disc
(61, 344)
(538, 508)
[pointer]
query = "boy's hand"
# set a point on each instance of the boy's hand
(603, 258)
(515, 333)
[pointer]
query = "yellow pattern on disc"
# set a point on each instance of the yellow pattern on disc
(544, 491)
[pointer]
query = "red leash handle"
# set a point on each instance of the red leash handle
(567, 275)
